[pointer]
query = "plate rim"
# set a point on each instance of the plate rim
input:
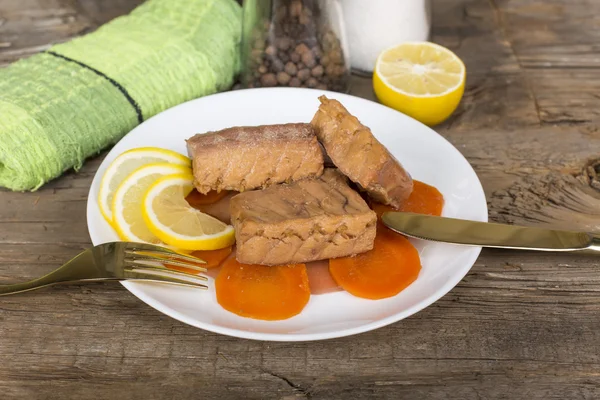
(135, 288)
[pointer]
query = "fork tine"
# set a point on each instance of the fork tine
(166, 256)
(169, 256)
(150, 275)
(146, 248)
(135, 266)
(154, 260)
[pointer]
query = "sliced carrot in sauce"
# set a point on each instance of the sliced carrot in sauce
(262, 292)
(385, 271)
(213, 259)
(424, 199)
(195, 198)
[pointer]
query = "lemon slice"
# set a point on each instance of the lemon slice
(126, 208)
(421, 79)
(175, 222)
(124, 165)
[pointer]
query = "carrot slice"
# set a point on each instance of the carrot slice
(213, 259)
(424, 199)
(385, 271)
(262, 292)
(195, 198)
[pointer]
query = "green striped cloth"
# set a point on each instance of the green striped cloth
(59, 107)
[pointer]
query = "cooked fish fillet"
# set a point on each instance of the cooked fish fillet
(308, 220)
(359, 155)
(244, 158)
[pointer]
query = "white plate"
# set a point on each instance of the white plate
(424, 153)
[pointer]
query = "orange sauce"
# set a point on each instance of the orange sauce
(424, 199)
(319, 278)
(213, 259)
(212, 203)
(195, 198)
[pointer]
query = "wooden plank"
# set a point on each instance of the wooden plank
(519, 326)
(567, 96)
(478, 338)
(537, 176)
(30, 26)
(103, 11)
(497, 94)
(559, 58)
(489, 331)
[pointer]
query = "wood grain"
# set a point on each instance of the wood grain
(559, 58)
(519, 326)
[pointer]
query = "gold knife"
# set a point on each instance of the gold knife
(487, 234)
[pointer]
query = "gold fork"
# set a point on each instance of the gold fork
(118, 261)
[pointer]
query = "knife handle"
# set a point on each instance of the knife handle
(595, 243)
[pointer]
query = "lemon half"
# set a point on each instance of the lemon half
(124, 165)
(169, 216)
(126, 208)
(421, 79)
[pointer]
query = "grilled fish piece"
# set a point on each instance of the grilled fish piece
(359, 155)
(308, 220)
(244, 158)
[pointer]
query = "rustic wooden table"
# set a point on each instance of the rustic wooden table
(519, 326)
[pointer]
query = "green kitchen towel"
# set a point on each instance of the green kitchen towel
(63, 105)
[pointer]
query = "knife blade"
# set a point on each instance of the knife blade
(487, 234)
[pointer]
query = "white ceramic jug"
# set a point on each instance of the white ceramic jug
(374, 25)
